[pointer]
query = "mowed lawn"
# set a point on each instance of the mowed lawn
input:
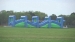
(37, 34)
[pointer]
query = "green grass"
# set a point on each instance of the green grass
(37, 35)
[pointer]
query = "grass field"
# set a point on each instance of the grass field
(37, 35)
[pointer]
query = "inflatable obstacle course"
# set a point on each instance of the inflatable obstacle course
(46, 23)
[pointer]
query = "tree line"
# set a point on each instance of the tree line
(69, 19)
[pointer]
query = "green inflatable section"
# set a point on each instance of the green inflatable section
(30, 26)
(45, 26)
(21, 24)
(53, 25)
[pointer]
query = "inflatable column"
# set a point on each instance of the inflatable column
(35, 21)
(49, 22)
(60, 21)
(25, 20)
(11, 20)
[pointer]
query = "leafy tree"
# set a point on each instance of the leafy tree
(53, 16)
(40, 14)
(72, 18)
(66, 18)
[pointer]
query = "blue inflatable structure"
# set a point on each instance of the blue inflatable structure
(24, 22)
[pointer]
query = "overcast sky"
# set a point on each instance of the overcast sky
(47, 6)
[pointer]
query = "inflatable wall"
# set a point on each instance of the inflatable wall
(35, 23)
